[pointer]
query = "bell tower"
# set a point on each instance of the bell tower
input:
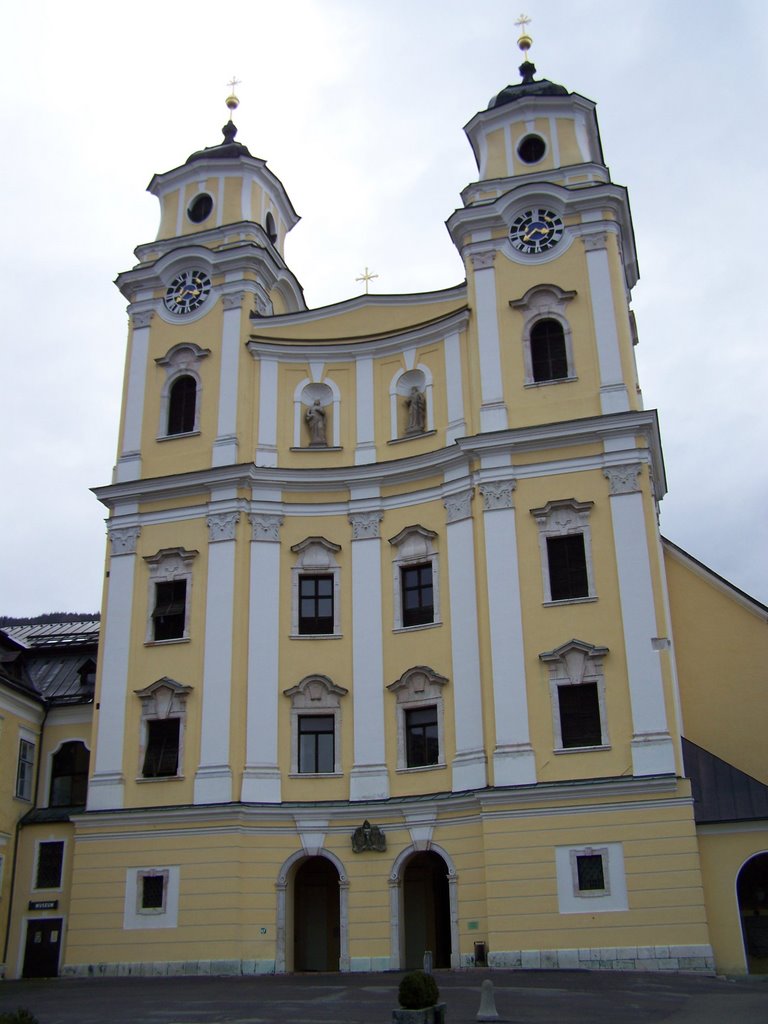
(546, 236)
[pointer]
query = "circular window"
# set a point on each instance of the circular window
(200, 208)
(531, 149)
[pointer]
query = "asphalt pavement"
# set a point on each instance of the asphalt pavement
(521, 997)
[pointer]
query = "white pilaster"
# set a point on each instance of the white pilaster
(225, 446)
(105, 789)
(457, 426)
(652, 747)
(266, 450)
(613, 391)
(469, 764)
(213, 778)
(365, 451)
(368, 778)
(493, 411)
(261, 778)
(514, 763)
(129, 460)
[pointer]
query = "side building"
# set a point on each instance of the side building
(393, 656)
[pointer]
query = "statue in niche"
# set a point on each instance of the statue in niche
(315, 418)
(368, 837)
(416, 405)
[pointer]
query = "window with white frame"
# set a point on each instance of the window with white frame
(566, 550)
(577, 694)
(546, 337)
(180, 398)
(163, 718)
(591, 878)
(315, 589)
(170, 591)
(415, 578)
(25, 767)
(315, 726)
(49, 866)
(420, 718)
(151, 897)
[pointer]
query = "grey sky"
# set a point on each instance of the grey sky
(358, 107)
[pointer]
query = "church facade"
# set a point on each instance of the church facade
(393, 657)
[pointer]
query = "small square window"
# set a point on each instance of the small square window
(152, 892)
(567, 567)
(590, 873)
(417, 594)
(161, 757)
(25, 769)
(316, 744)
(421, 737)
(169, 614)
(316, 604)
(579, 709)
(50, 859)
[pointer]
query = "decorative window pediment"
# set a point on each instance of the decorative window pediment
(566, 550)
(315, 726)
(577, 692)
(420, 724)
(163, 697)
(415, 578)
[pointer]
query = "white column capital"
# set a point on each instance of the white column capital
(265, 526)
(123, 539)
(623, 479)
(366, 525)
(221, 526)
(497, 494)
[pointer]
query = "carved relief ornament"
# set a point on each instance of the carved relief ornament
(365, 525)
(458, 506)
(123, 539)
(623, 479)
(497, 494)
(265, 525)
(221, 526)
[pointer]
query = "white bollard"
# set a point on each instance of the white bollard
(487, 1009)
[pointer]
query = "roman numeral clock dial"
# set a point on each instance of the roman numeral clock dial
(536, 231)
(187, 292)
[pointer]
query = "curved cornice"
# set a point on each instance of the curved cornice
(301, 349)
(452, 462)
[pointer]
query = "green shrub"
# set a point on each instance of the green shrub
(21, 1016)
(417, 991)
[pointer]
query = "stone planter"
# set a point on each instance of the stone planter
(429, 1015)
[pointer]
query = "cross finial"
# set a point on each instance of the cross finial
(367, 276)
(232, 101)
(522, 22)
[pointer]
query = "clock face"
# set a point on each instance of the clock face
(536, 231)
(187, 292)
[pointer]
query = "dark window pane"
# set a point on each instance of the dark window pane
(50, 857)
(590, 872)
(181, 405)
(417, 595)
(161, 757)
(580, 715)
(567, 567)
(170, 609)
(316, 744)
(548, 356)
(315, 604)
(152, 887)
(421, 744)
(69, 776)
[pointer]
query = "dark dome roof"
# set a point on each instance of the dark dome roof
(527, 88)
(226, 150)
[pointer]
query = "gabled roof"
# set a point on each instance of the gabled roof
(720, 791)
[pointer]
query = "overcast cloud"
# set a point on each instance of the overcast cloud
(358, 108)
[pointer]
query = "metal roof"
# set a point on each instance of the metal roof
(720, 791)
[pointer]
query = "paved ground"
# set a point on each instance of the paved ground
(522, 997)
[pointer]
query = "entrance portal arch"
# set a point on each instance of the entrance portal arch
(312, 914)
(752, 896)
(423, 909)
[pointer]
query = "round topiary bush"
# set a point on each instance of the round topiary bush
(417, 991)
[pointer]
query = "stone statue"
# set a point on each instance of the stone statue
(416, 404)
(368, 837)
(315, 417)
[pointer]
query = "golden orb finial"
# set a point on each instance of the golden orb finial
(232, 101)
(524, 42)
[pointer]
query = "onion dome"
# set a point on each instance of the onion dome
(527, 70)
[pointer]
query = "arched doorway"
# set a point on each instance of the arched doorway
(752, 893)
(316, 917)
(426, 910)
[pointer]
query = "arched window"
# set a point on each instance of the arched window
(181, 405)
(269, 225)
(69, 775)
(549, 359)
